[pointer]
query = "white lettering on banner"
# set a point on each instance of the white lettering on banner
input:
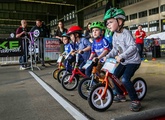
(10, 50)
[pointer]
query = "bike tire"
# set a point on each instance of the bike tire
(84, 87)
(55, 72)
(69, 85)
(60, 74)
(139, 83)
(96, 102)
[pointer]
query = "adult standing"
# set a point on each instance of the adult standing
(44, 32)
(140, 35)
(87, 32)
(22, 32)
(59, 32)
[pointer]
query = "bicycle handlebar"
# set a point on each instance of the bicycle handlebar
(122, 60)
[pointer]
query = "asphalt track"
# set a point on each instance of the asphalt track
(36, 95)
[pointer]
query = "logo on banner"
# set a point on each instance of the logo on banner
(10, 47)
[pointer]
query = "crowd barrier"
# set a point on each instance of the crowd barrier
(46, 49)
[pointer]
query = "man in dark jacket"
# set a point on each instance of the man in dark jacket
(44, 32)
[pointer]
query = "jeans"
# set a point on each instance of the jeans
(126, 71)
(68, 66)
(140, 49)
(88, 71)
(22, 60)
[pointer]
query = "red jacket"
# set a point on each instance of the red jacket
(140, 40)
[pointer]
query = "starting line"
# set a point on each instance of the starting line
(75, 113)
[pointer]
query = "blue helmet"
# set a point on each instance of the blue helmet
(65, 35)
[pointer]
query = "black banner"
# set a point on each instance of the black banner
(11, 47)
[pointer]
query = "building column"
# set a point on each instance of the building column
(80, 14)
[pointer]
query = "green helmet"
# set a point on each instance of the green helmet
(97, 25)
(114, 13)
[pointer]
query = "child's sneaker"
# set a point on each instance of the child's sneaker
(119, 98)
(135, 106)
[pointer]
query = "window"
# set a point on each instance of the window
(163, 25)
(133, 16)
(153, 11)
(126, 17)
(162, 8)
(154, 25)
(142, 14)
(133, 28)
(145, 26)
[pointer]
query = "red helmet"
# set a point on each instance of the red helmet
(74, 29)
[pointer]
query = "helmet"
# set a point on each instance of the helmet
(97, 25)
(65, 35)
(74, 29)
(114, 13)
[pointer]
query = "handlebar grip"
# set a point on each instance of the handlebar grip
(122, 60)
(82, 52)
(95, 62)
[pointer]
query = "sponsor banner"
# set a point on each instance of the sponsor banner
(51, 48)
(11, 47)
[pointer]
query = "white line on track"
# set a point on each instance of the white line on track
(75, 113)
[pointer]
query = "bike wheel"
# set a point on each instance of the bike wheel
(85, 86)
(60, 74)
(55, 72)
(140, 87)
(66, 84)
(96, 101)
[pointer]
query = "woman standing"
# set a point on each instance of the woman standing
(58, 34)
(60, 31)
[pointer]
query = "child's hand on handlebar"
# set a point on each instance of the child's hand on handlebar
(80, 51)
(118, 59)
(95, 59)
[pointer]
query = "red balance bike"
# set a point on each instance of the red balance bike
(70, 81)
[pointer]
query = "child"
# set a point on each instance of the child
(81, 44)
(100, 46)
(68, 47)
(124, 47)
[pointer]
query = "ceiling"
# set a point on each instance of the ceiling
(11, 13)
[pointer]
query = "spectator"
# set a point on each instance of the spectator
(60, 31)
(140, 35)
(44, 32)
(58, 34)
(21, 32)
(87, 33)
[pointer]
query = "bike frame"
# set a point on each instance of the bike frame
(76, 70)
(116, 81)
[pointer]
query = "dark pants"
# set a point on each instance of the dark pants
(140, 49)
(23, 59)
(126, 71)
